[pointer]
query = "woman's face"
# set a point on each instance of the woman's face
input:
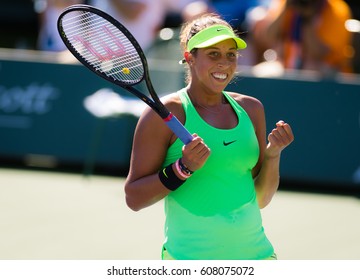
(214, 67)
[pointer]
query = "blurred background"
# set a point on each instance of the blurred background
(66, 134)
(57, 115)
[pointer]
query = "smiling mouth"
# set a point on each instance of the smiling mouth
(220, 76)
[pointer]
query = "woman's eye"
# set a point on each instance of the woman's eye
(214, 54)
(217, 55)
(232, 56)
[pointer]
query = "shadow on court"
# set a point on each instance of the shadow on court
(46, 215)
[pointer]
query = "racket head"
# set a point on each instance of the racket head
(103, 45)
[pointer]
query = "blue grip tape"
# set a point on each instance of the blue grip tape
(177, 127)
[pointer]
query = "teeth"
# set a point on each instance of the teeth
(220, 76)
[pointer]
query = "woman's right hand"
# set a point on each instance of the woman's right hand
(195, 153)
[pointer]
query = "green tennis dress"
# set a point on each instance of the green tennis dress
(214, 215)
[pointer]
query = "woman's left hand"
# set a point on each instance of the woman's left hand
(279, 138)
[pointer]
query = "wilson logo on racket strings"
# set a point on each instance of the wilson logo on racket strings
(105, 52)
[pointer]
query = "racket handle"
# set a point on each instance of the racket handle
(177, 127)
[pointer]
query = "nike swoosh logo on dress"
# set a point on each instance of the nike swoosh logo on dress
(228, 143)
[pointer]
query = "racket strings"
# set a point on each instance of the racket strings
(103, 46)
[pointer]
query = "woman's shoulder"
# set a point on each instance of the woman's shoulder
(253, 107)
(172, 101)
(246, 101)
(171, 98)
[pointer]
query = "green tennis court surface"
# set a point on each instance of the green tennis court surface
(47, 215)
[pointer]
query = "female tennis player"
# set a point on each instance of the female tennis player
(215, 186)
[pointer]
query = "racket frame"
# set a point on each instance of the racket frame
(155, 103)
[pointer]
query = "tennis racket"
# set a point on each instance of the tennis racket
(108, 49)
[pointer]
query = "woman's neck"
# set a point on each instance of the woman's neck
(212, 103)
